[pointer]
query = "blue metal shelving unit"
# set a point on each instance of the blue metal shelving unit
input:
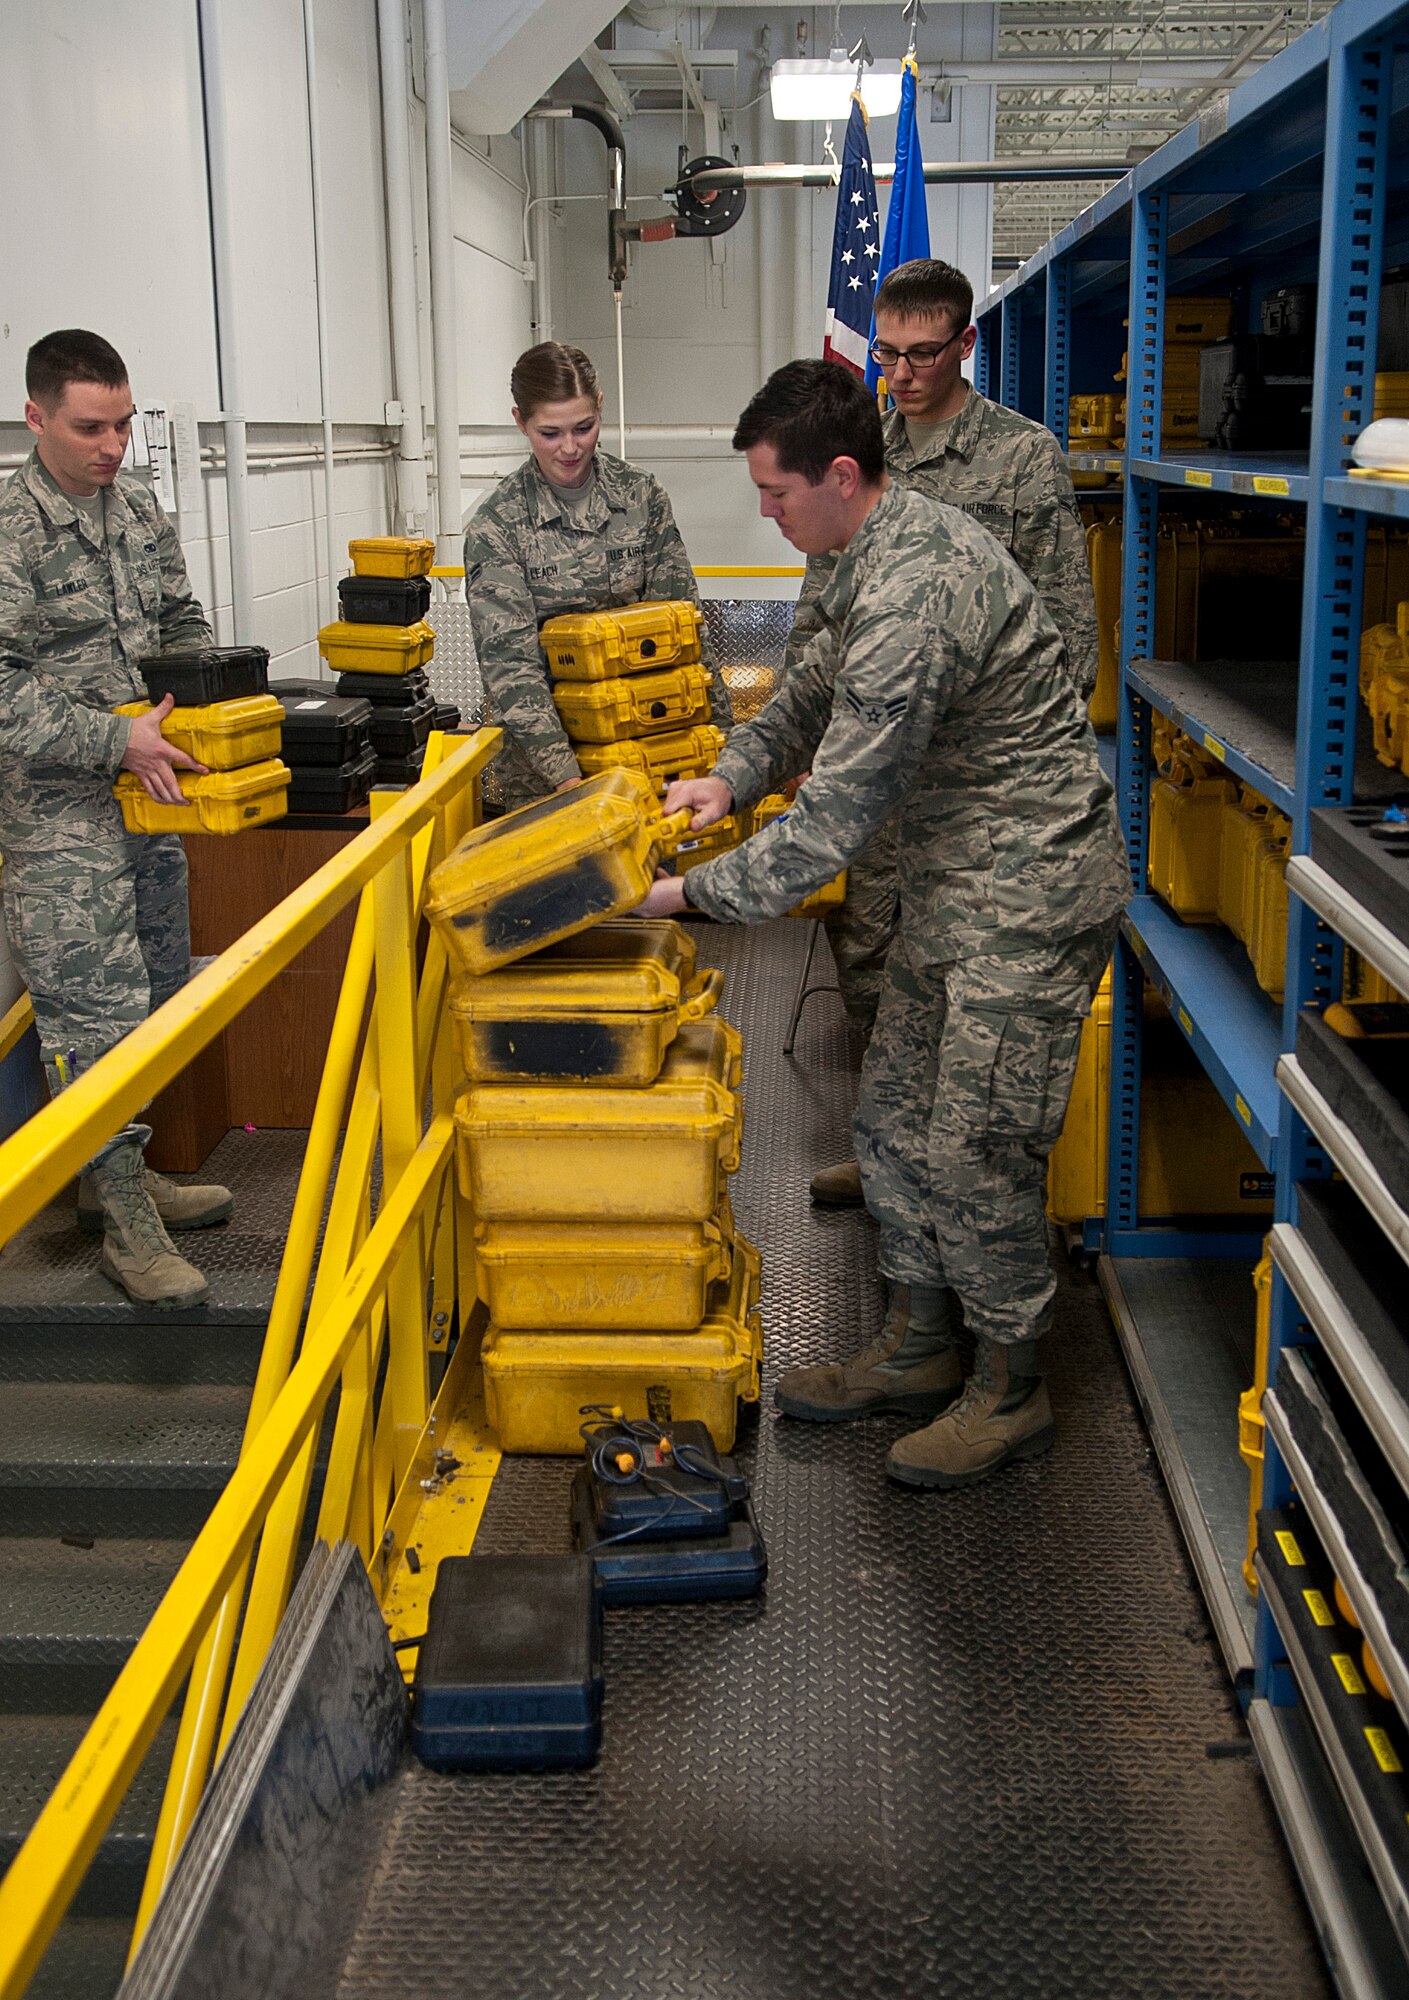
(1300, 173)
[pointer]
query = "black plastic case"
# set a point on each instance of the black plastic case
(1365, 1080)
(669, 1501)
(1366, 848)
(447, 716)
(386, 690)
(509, 1677)
(1255, 392)
(400, 732)
(216, 673)
(384, 600)
(689, 1570)
(320, 727)
(401, 770)
(333, 788)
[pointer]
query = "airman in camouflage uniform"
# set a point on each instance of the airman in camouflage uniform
(935, 687)
(96, 917)
(529, 556)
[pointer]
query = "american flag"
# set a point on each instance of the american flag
(856, 251)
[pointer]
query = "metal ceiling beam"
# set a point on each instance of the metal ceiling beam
(604, 76)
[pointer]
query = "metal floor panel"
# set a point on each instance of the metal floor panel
(961, 1745)
(85, 1605)
(98, 1434)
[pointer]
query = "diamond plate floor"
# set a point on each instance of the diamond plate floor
(960, 1747)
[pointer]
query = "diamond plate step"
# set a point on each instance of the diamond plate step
(69, 1617)
(85, 1961)
(128, 1351)
(34, 1751)
(94, 1459)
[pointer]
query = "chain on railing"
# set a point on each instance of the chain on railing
(385, 1283)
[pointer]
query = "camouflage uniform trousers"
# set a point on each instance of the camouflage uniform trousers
(861, 929)
(963, 1094)
(101, 937)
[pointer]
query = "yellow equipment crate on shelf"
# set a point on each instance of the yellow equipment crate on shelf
(1266, 940)
(1103, 544)
(693, 848)
(1391, 393)
(600, 1277)
(1384, 683)
(638, 705)
(1245, 823)
(573, 1154)
(537, 875)
(1093, 419)
(600, 645)
(684, 753)
(1197, 321)
(376, 649)
(1186, 833)
(1252, 1425)
(608, 1022)
(391, 555)
(220, 802)
(832, 894)
(1194, 1157)
(222, 734)
(626, 940)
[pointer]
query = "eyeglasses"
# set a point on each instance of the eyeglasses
(920, 358)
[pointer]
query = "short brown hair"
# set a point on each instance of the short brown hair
(551, 373)
(70, 355)
(812, 412)
(923, 287)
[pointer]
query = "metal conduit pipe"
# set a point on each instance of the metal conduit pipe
(413, 499)
(217, 153)
(713, 180)
(593, 114)
(329, 596)
(449, 518)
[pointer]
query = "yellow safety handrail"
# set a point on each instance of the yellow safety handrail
(371, 1288)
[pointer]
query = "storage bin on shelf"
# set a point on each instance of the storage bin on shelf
(1194, 1157)
(557, 1022)
(645, 704)
(222, 734)
(831, 894)
(600, 1277)
(608, 1153)
(1093, 420)
(601, 645)
(391, 555)
(536, 1382)
(219, 802)
(1186, 832)
(551, 868)
(1245, 822)
(682, 753)
(1266, 939)
(1384, 684)
(1252, 1425)
(376, 649)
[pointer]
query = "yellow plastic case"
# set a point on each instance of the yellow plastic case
(599, 645)
(693, 848)
(376, 649)
(391, 555)
(1244, 825)
(626, 940)
(644, 705)
(608, 1022)
(547, 870)
(538, 1153)
(684, 753)
(600, 1277)
(221, 802)
(832, 894)
(222, 734)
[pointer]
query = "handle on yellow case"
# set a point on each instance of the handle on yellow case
(672, 825)
(703, 995)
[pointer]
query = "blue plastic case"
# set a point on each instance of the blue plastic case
(690, 1569)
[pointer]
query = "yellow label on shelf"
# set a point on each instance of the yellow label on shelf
(1193, 478)
(1212, 744)
(1349, 1673)
(1318, 1607)
(1185, 1023)
(1291, 1548)
(1263, 483)
(1242, 1107)
(1385, 1755)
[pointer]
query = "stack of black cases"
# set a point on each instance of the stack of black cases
(404, 711)
(675, 1537)
(327, 746)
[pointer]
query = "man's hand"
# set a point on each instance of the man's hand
(664, 898)
(709, 799)
(153, 759)
(567, 784)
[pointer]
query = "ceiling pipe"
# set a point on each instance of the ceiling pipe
(449, 515)
(413, 499)
(778, 174)
(593, 114)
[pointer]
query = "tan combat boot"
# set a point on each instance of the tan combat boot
(137, 1252)
(913, 1368)
(178, 1207)
(1004, 1413)
(838, 1187)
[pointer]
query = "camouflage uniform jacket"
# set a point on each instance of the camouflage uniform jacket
(1011, 475)
(75, 617)
(528, 557)
(935, 683)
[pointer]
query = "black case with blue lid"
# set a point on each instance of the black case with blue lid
(509, 1676)
(688, 1570)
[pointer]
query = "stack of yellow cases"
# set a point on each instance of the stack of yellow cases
(1391, 393)
(832, 893)
(601, 1118)
(246, 781)
(382, 649)
(633, 693)
(1384, 684)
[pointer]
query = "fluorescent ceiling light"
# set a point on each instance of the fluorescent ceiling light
(823, 89)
